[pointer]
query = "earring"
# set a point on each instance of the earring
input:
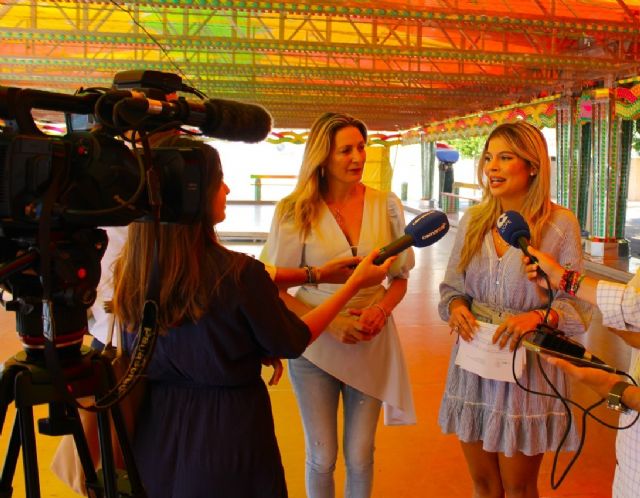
(533, 173)
(322, 172)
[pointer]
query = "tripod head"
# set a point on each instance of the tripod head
(75, 257)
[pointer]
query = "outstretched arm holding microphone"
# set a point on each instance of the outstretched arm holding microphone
(599, 381)
(619, 303)
(620, 307)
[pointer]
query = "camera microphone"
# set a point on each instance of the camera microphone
(216, 118)
(424, 230)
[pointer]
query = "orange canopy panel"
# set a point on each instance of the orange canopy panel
(395, 64)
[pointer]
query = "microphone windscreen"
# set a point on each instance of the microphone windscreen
(236, 121)
(512, 226)
(427, 228)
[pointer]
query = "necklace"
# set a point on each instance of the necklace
(335, 211)
(499, 240)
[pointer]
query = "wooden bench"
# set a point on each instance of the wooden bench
(258, 182)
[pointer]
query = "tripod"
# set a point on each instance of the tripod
(28, 383)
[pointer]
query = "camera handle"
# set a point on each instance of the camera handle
(27, 384)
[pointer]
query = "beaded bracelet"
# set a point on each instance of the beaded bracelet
(570, 282)
(578, 282)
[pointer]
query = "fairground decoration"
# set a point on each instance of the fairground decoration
(541, 113)
(279, 137)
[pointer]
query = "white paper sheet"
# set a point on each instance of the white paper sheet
(487, 360)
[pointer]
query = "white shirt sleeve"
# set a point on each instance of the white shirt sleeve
(620, 303)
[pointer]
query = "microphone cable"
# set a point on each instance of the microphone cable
(586, 412)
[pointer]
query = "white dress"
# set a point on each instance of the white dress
(377, 367)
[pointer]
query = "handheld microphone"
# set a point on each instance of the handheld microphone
(425, 229)
(216, 118)
(514, 230)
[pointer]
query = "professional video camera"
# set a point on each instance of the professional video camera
(56, 191)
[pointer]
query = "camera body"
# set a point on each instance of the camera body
(56, 191)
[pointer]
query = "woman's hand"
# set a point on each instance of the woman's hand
(348, 330)
(367, 274)
(338, 270)
(372, 319)
(276, 363)
(547, 264)
(461, 320)
(514, 327)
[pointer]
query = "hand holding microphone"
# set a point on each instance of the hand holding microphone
(514, 230)
(424, 230)
(543, 263)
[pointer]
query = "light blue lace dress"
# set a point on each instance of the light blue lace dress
(500, 414)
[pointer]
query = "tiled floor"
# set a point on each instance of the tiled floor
(415, 461)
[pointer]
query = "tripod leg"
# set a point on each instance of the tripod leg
(10, 461)
(7, 379)
(84, 453)
(29, 455)
(106, 452)
(137, 490)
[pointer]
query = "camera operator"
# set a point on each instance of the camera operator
(620, 307)
(205, 427)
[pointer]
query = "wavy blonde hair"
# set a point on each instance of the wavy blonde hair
(191, 259)
(302, 205)
(528, 143)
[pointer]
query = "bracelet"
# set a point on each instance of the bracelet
(541, 314)
(384, 312)
(580, 279)
(311, 275)
(570, 282)
(566, 277)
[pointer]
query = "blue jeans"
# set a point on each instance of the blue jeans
(318, 394)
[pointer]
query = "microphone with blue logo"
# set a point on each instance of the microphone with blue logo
(514, 230)
(425, 229)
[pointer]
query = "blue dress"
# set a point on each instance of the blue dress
(206, 428)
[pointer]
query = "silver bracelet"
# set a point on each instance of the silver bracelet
(384, 312)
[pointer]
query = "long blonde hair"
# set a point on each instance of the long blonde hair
(191, 259)
(528, 143)
(302, 205)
